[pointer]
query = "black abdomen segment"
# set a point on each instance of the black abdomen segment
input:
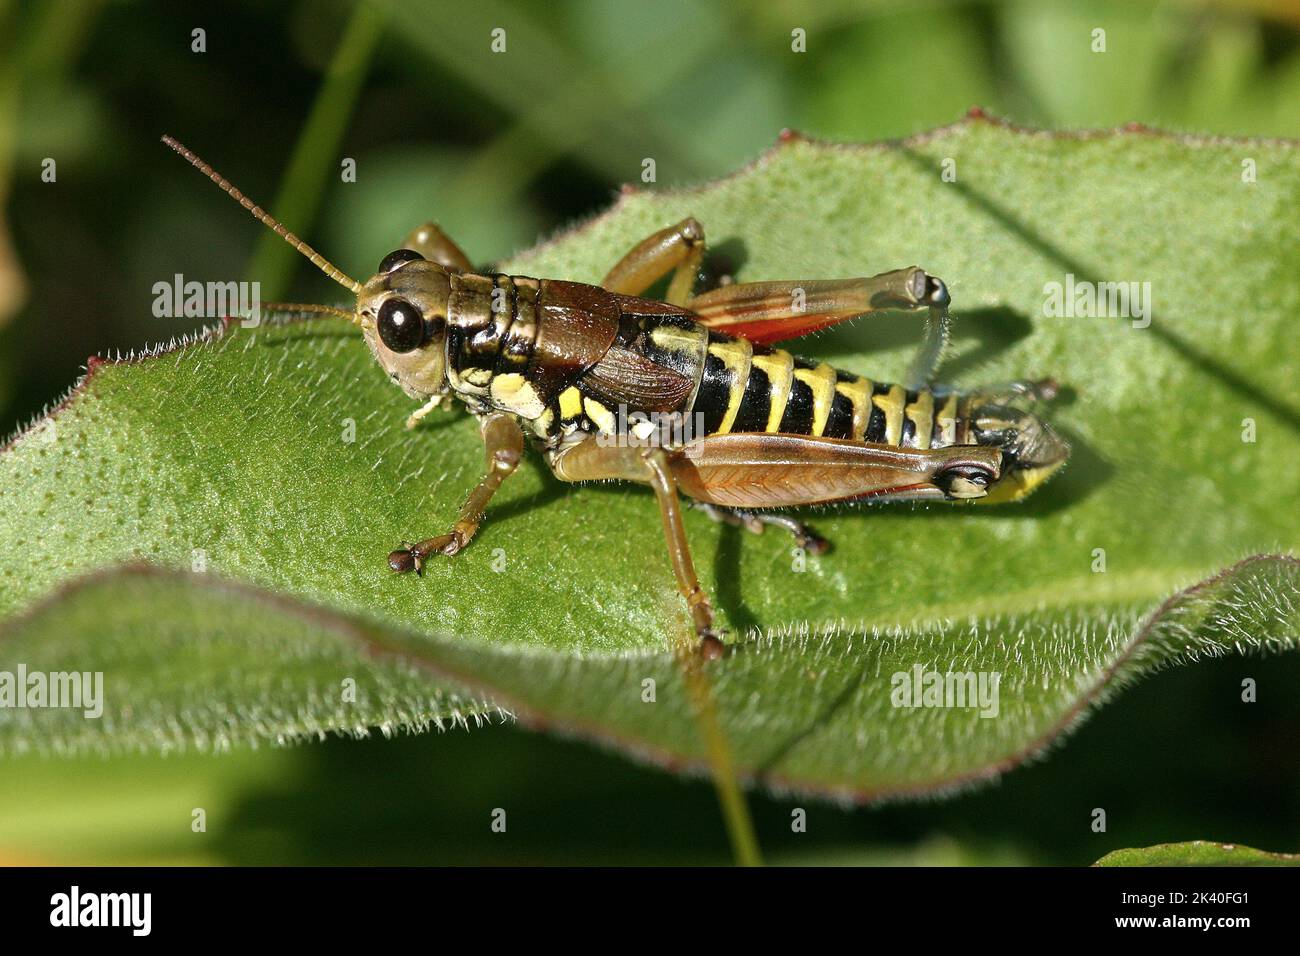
(748, 388)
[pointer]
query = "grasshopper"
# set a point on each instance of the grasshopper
(583, 369)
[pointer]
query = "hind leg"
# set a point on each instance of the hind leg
(678, 249)
(755, 521)
(769, 312)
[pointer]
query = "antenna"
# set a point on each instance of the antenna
(319, 261)
(312, 308)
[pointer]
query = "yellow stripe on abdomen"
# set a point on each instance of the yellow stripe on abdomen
(736, 355)
(821, 381)
(858, 391)
(891, 404)
(778, 365)
(945, 421)
(921, 414)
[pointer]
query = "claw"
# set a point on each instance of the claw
(812, 543)
(711, 646)
(410, 557)
(403, 560)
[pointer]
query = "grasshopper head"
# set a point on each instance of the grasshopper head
(402, 310)
(403, 316)
(1031, 451)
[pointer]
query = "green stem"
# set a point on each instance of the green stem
(735, 810)
(315, 152)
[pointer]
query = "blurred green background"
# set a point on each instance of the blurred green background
(502, 149)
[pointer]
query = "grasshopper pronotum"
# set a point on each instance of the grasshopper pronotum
(583, 368)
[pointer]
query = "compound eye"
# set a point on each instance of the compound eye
(400, 325)
(964, 481)
(398, 258)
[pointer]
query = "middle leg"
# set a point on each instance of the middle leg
(590, 461)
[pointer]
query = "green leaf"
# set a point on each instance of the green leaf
(1197, 853)
(230, 454)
